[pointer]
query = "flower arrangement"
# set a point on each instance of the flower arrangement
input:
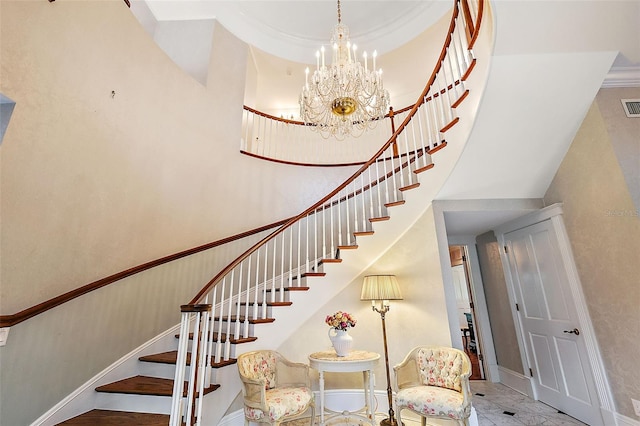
(341, 320)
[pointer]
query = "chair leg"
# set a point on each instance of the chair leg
(313, 413)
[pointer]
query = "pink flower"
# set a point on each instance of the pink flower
(340, 320)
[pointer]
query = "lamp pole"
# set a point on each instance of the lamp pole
(391, 421)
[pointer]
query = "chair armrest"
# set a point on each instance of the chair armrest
(292, 374)
(253, 392)
(407, 374)
(464, 381)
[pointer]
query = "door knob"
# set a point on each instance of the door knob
(574, 331)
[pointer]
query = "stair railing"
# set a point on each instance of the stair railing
(288, 141)
(242, 294)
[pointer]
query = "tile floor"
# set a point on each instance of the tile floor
(495, 404)
(492, 400)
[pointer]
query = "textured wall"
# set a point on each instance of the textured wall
(604, 229)
(114, 156)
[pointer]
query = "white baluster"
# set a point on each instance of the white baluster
(347, 216)
(230, 313)
(290, 230)
(273, 273)
(306, 242)
(222, 342)
(263, 304)
(324, 231)
(339, 207)
(371, 190)
(281, 237)
(299, 251)
(192, 371)
(202, 362)
(181, 364)
(379, 184)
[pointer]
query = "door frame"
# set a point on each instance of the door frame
(484, 335)
(554, 213)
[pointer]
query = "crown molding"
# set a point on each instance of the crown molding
(622, 77)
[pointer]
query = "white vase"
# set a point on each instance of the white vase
(341, 341)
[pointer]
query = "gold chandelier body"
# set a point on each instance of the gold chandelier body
(347, 97)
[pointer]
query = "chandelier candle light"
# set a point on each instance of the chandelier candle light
(347, 97)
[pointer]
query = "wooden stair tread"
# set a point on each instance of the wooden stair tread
(268, 303)
(235, 318)
(363, 233)
(379, 219)
(349, 247)
(394, 203)
(113, 418)
(171, 357)
(141, 385)
(408, 187)
(314, 274)
(424, 169)
(289, 288)
(223, 338)
(437, 147)
(145, 385)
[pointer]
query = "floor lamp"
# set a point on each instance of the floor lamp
(380, 289)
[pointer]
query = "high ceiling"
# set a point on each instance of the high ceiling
(549, 59)
(294, 30)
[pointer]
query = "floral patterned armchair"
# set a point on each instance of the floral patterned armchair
(433, 381)
(274, 389)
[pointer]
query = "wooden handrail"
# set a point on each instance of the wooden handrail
(17, 318)
(295, 163)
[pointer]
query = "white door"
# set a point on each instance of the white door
(554, 347)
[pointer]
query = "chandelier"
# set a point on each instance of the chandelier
(346, 97)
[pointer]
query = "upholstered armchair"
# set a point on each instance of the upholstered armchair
(433, 381)
(274, 388)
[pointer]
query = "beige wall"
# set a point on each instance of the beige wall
(604, 229)
(497, 297)
(93, 182)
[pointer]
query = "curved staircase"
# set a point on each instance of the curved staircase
(299, 264)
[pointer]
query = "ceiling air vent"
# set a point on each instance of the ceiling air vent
(631, 107)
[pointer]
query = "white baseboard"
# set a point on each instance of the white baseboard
(516, 381)
(625, 421)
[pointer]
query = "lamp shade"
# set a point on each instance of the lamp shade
(380, 287)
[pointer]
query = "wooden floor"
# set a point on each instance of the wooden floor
(475, 365)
